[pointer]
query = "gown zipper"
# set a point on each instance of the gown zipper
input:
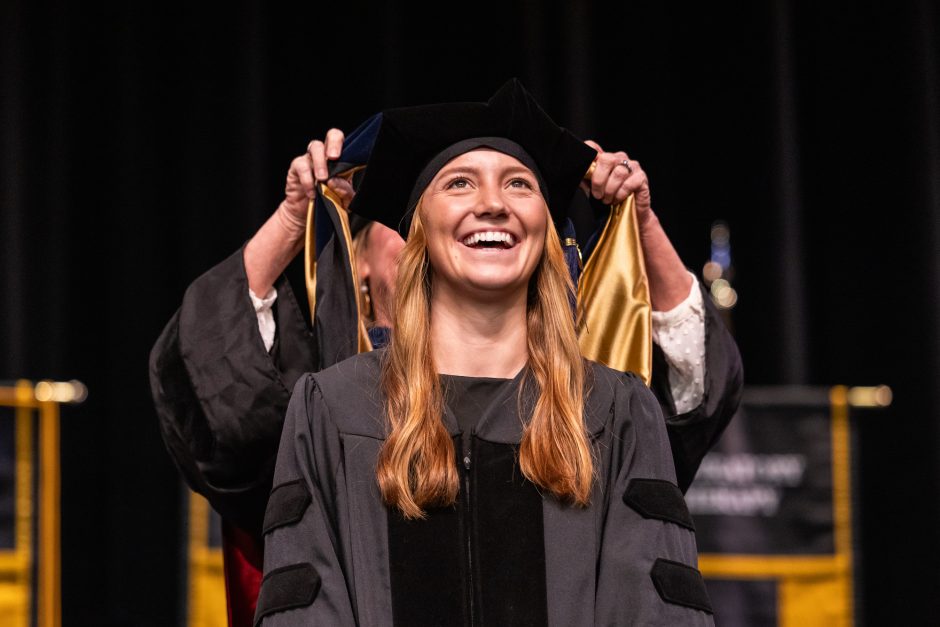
(467, 441)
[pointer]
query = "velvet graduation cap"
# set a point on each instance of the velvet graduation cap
(413, 143)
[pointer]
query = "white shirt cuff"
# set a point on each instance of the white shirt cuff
(680, 333)
(266, 325)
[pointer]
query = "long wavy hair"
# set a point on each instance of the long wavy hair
(417, 464)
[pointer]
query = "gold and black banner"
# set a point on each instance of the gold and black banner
(30, 555)
(773, 507)
(17, 508)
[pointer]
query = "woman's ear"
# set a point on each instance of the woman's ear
(362, 267)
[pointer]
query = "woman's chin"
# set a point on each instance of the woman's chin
(495, 284)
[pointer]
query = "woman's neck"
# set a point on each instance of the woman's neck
(476, 338)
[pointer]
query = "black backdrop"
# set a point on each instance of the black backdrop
(140, 145)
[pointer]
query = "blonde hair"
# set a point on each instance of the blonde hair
(417, 464)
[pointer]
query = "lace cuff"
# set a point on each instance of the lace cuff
(680, 333)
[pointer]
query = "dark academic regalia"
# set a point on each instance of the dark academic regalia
(221, 397)
(504, 555)
(221, 400)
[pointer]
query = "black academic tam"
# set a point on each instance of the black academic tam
(506, 554)
(410, 138)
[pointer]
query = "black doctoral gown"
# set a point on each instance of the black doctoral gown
(221, 397)
(505, 554)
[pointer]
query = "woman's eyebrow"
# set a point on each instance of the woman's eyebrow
(469, 169)
(518, 169)
(459, 169)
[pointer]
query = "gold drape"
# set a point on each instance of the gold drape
(310, 259)
(614, 299)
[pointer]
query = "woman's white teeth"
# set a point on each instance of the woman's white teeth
(490, 236)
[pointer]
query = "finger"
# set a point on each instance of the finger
(636, 183)
(637, 177)
(597, 147)
(334, 143)
(317, 152)
(343, 189)
(606, 162)
(601, 173)
(618, 175)
(301, 167)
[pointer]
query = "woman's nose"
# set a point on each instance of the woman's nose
(491, 202)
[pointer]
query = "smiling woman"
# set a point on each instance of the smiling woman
(480, 299)
(485, 220)
(478, 471)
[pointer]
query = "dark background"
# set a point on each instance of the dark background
(140, 145)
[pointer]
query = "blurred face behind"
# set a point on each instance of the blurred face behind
(378, 264)
(485, 221)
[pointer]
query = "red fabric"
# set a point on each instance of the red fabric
(242, 563)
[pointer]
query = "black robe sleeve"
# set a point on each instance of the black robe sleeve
(693, 433)
(220, 397)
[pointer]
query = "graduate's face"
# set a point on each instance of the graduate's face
(484, 219)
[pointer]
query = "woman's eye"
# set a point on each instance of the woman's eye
(520, 183)
(458, 183)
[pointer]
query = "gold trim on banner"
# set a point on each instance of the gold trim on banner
(206, 606)
(728, 566)
(614, 300)
(811, 590)
(24, 484)
(803, 602)
(49, 592)
(842, 492)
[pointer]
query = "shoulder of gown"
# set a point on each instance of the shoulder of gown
(351, 391)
